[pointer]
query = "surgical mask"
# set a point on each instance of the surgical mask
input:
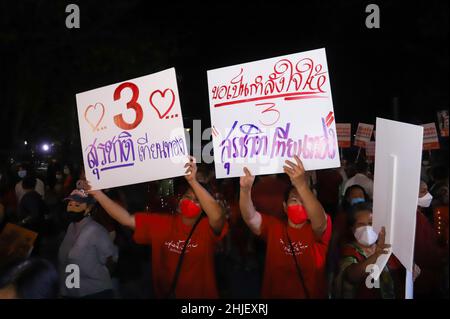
(75, 217)
(365, 235)
(66, 171)
(425, 201)
(189, 209)
(297, 214)
(22, 173)
(357, 200)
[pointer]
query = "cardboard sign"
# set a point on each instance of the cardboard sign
(15, 243)
(132, 132)
(396, 187)
(265, 112)
(443, 122)
(363, 134)
(430, 137)
(344, 134)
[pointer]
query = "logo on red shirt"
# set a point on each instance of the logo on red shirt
(297, 246)
(177, 246)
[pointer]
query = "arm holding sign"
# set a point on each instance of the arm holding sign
(120, 214)
(316, 213)
(357, 272)
(251, 217)
(215, 214)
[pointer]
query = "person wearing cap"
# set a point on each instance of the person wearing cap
(87, 252)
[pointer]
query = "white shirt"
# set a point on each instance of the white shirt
(361, 180)
(87, 244)
(40, 188)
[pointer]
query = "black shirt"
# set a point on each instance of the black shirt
(32, 207)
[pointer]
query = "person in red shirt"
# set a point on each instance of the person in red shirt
(296, 248)
(167, 234)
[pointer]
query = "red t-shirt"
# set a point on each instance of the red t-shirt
(429, 256)
(281, 279)
(167, 234)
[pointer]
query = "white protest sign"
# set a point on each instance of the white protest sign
(132, 132)
(430, 137)
(344, 134)
(396, 187)
(265, 112)
(363, 134)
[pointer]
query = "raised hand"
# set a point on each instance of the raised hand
(84, 184)
(191, 170)
(246, 181)
(381, 247)
(296, 172)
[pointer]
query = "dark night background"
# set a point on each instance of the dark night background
(43, 64)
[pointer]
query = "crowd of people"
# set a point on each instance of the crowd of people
(297, 235)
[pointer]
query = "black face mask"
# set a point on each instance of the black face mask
(75, 217)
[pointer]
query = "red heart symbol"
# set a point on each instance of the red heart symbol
(163, 102)
(94, 115)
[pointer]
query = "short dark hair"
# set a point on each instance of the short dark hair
(32, 279)
(355, 209)
(29, 182)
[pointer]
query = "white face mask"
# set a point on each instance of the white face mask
(66, 171)
(365, 235)
(22, 173)
(425, 200)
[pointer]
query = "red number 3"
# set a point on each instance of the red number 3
(271, 108)
(132, 104)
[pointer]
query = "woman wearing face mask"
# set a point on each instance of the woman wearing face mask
(424, 201)
(88, 246)
(297, 247)
(342, 234)
(363, 251)
(23, 171)
(179, 270)
(354, 194)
